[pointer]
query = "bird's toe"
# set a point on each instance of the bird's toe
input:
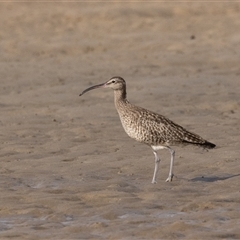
(169, 179)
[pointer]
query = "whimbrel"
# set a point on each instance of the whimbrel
(148, 127)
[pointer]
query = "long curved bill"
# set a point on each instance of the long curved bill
(93, 87)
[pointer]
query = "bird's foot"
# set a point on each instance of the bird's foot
(170, 177)
(154, 181)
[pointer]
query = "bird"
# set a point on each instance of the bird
(150, 128)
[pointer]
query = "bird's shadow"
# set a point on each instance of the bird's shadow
(213, 178)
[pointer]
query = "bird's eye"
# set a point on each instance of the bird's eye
(113, 81)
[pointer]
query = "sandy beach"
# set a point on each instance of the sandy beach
(67, 168)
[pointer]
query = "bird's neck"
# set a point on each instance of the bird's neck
(120, 96)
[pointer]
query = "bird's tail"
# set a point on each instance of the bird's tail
(204, 144)
(208, 145)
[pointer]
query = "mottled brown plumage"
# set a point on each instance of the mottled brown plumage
(148, 127)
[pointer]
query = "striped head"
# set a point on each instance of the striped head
(115, 83)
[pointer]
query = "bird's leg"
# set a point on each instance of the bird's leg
(170, 176)
(157, 161)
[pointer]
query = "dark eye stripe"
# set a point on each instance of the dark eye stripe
(113, 81)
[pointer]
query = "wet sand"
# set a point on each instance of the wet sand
(68, 170)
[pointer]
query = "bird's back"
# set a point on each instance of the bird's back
(154, 129)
